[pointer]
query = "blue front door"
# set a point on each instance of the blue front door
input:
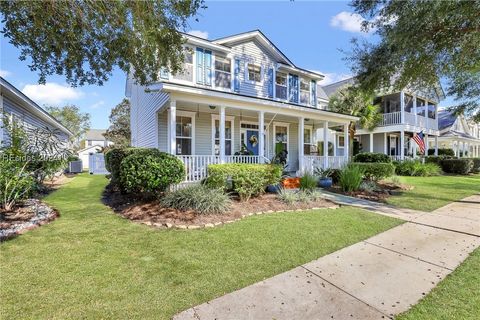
(252, 141)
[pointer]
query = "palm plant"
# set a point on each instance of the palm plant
(353, 101)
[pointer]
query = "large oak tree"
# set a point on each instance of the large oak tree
(421, 42)
(85, 40)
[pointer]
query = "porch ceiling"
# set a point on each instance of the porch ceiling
(249, 115)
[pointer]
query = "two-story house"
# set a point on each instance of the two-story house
(240, 99)
(93, 141)
(404, 113)
(459, 134)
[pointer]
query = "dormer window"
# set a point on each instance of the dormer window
(254, 72)
(304, 91)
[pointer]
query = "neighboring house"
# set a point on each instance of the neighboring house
(38, 123)
(95, 137)
(84, 155)
(404, 113)
(238, 92)
(459, 134)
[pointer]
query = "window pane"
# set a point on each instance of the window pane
(184, 146)
(254, 72)
(307, 136)
(184, 126)
(228, 147)
(431, 110)
(391, 103)
(223, 79)
(341, 141)
(420, 107)
(304, 84)
(281, 79)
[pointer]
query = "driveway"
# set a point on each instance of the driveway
(373, 279)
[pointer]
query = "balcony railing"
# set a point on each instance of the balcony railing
(391, 118)
(310, 163)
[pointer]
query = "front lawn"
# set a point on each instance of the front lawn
(91, 263)
(430, 193)
(456, 297)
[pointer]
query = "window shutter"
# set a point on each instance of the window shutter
(200, 69)
(270, 83)
(313, 91)
(236, 76)
(293, 88)
(208, 67)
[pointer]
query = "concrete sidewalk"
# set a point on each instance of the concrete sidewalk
(373, 279)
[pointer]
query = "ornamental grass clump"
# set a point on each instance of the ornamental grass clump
(308, 182)
(198, 198)
(350, 178)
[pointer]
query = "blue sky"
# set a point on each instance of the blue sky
(311, 34)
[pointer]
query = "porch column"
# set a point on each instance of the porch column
(172, 127)
(370, 143)
(415, 108)
(426, 145)
(385, 143)
(402, 144)
(457, 148)
(301, 130)
(402, 106)
(222, 134)
(325, 144)
(261, 136)
(436, 145)
(347, 142)
(414, 144)
(466, 153)
(335, 144)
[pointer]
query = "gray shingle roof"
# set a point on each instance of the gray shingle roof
(332, 88)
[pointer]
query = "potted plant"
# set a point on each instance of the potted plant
(324, 177)
(279, 159)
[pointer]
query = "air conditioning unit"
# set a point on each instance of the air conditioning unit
(75, 166)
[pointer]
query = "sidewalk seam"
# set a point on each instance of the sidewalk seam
(348, 293)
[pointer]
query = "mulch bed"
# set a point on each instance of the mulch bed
(29, 215)
(150, 212)
(386, 190)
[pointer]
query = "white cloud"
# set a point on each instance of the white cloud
(199, 33)
(347, 21)
(51, 93)
(332, 77)
(5, 73)
(97, 104)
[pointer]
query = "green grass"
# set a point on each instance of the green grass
(430, 193)
(90, 263)
(456, 297)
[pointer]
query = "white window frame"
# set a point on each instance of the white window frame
(286, 85)
(247, 79)
(232, 71)
(310, 128)
(338, 141)
(300, 91)
(192, 116)
(281, 124)
(227, 118)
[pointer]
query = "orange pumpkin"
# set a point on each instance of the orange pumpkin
(291, 183)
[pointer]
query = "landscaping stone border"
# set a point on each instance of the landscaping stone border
(216, 224)
(43, 214)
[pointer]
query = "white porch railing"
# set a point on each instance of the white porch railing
(310, 163)
(196, 165)
(391, 118)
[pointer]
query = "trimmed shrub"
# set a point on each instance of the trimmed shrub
(113, 161)
(417, 168)
(199, 198)
(442, 152)
(245, 179)
(149, 170)
(476, 165)
(351, 178)
(375, 170)
(458, 166)
(372, 157)
(308, 182)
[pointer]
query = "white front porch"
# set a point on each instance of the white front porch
(201, 134)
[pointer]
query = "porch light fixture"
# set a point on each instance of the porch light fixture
(306, 119)
(212, 107)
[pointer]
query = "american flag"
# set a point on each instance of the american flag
(419, 140)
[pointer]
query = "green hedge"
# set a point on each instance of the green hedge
(149, 171)
(372, 157)
(476, 165)
(442, 152)
(458, 166)
(417, 168)
(247, 180)
(375, 170)
(113, 161)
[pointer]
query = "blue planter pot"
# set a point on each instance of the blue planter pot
(273, 188)
(325, 182)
